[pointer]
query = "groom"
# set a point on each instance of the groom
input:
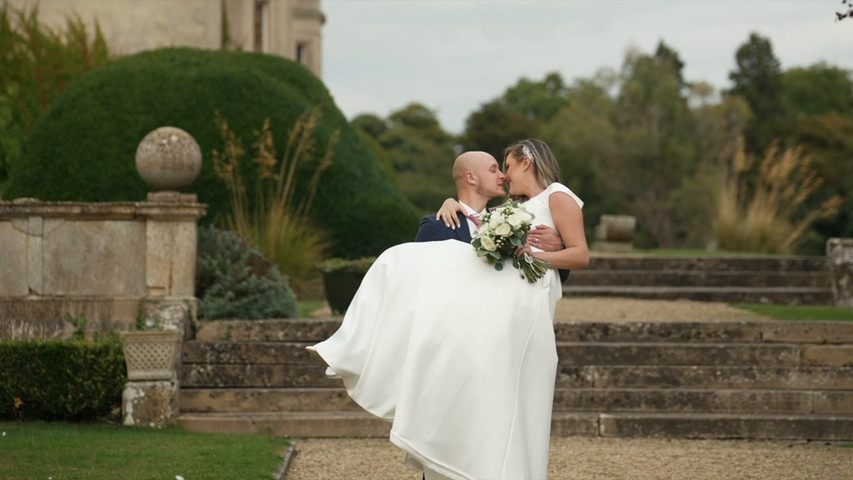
(478, 179)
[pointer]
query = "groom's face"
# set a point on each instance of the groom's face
(491, 180)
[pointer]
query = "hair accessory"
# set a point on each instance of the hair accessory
(525, 150)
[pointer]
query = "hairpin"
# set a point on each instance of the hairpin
(525, 150)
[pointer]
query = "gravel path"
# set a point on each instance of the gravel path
(582, 458)
(615, 309)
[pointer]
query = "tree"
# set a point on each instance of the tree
(538, 100)
(493, 127)
(421, 154)
(37, 64)
(828, 139)
(655, 130)
(758, 79)
(583, 135)
(819, 89)
(846, 11)
(370, 124)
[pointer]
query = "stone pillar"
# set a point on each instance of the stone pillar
(840, 253)
(168, 159)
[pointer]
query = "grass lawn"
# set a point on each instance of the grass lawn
(686, 252)
(308, 307)
(799, 312)
(65, 451)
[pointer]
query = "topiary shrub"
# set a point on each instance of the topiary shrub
(74, 380)
(84, 147)
(234, 280)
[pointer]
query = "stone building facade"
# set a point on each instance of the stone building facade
(288, 28)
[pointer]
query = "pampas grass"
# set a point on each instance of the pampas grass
(761, 202)
(277, 222)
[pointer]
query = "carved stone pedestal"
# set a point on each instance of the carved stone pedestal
(840, 254)
(150, 404)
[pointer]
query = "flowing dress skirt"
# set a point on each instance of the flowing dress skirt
(461, 358)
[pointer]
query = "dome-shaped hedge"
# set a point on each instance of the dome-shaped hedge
(83, 149)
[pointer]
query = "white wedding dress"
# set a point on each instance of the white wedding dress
(459, 356)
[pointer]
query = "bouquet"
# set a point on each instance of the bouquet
(501, 232)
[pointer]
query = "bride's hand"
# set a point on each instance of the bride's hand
(447, 212)
(526, 248)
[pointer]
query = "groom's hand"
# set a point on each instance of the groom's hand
(545, 238)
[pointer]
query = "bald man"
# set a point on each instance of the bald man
(478, 179)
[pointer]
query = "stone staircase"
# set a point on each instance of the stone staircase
(751, 279)
(751, 380)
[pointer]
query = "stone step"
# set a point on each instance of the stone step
(293, 400)
(704, 263)
(293, 425)
(699, 278)
(568, 376)
(248, 400)
(808, 332)
(707, 377)
(271, 330)
(254, 376)
(691, 354)
(569, 353)
(727, 426)
(679, 425)
(312, 331)
(779, 295)
(650, 400)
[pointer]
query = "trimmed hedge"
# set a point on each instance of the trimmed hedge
(235, 280)
(84, 147)
(74, 381)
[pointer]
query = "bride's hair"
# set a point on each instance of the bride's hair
(547, 170)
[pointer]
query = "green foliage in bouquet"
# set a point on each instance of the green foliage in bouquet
(234, 280)
(84, 147)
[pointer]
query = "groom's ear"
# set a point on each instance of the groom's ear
(470, 177)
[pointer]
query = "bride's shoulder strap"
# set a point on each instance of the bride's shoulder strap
(559, 187)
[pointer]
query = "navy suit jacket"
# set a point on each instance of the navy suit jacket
(432, 230)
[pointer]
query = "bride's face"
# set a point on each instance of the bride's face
(513, 171)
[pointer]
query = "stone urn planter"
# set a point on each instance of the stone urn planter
(150, 355)
(341, 279)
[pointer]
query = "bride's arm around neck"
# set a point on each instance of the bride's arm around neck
(568, 220)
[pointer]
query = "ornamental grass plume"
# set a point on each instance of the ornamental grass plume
(276, 221)
(761, 205)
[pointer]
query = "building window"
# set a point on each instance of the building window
(302, 53)
(262, 26)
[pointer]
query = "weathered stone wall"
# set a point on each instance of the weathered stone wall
(110, 262)
(131, 26)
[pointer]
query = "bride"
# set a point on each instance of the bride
(459, 356)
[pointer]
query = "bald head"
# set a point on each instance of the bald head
(478, 179)
(474, 162)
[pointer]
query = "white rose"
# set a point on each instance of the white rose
(525, 216)
(503, 230)
(516, 219)
(497, 219)
(487, 243)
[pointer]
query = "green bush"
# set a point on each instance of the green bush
(74, 380)
(84, 147)
(235, 280)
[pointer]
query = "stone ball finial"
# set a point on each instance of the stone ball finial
(168, 158)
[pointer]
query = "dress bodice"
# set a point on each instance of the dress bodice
(541, 209)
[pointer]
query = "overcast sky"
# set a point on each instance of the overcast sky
(454, 55)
